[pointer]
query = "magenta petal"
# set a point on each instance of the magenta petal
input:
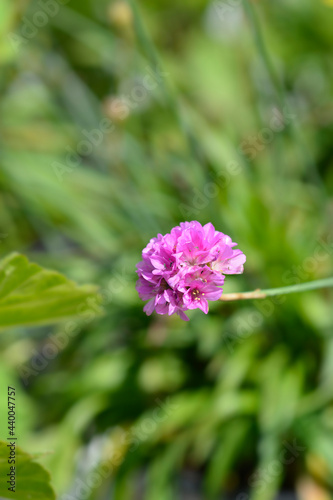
(183, 315)
(149, 307)
(185, 268)
(203, 305)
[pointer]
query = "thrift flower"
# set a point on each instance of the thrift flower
(184, 269)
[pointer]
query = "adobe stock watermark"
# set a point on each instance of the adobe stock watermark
(249, 148)
(253, 145)
(84, 148)
(202, 198)
(122, 106)
(245, 326)
(249, 323)
(87, 312)
(130, 439)
(266, 475)
(302, 272)
(31, 25)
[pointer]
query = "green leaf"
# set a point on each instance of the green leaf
(32, 295)
(32, 480)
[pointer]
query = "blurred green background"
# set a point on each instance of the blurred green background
(118, 121)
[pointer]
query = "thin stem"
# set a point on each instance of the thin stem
(261, 294)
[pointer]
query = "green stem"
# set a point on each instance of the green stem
(261, 294)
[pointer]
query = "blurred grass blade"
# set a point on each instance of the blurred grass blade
(266, 480)
(151, 54)
(281, 93)
(261, 46)
(224, 456)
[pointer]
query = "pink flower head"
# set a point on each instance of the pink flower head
(184, 269)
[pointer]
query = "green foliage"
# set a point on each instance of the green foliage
(32, 480)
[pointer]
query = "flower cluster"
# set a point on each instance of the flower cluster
(184, 269)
